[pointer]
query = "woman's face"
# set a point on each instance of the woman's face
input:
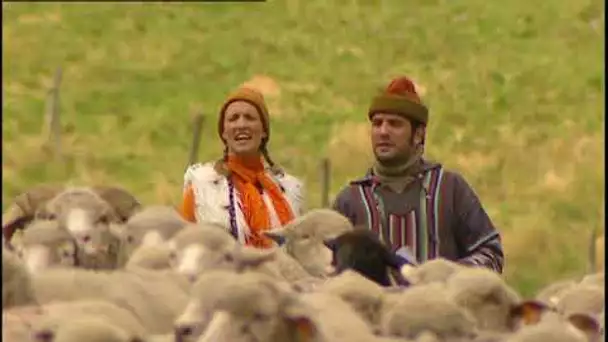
(243, 128)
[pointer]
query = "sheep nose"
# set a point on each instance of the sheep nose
(181, 332)
(86, 238)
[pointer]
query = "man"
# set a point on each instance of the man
(413, 203)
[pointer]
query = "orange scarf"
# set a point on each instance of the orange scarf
(247, 172)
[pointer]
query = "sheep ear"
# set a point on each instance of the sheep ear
(136, 339)
(528, 312)
(587, 324)
(253, 257)
(304, 326)
(13, 219)
(277, 235)
(122, 201)
(331, 244)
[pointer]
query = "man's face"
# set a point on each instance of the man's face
(391, 137)
(243, 128)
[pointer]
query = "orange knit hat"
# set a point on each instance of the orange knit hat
(401, 98)
(251, 96)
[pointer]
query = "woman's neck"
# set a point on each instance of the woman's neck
(249, 161)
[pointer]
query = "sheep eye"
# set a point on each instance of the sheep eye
(259, 317)
(103, 220)
(47, 216)
(228, 258)
(130, 239)
(305, 236)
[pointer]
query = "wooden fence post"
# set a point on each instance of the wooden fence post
(53, 123)
(325, 182)
(197, 126)
(592, 252)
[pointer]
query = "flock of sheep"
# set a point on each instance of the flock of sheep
(83, 269)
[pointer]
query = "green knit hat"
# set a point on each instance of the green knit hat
(400, 98)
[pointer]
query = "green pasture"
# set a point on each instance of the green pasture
(515, 90)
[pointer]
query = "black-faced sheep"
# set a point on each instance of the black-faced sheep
(361, 250)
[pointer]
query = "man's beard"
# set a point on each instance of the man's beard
(396, 160)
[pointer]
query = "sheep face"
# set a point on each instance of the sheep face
(248, 300)
(85, 215)
(16, 282)
(194, 259)
(587, 299)
(364, 296)
(151, 226)
(307, 248)
(304, 239)
(45, 244)
(90, 329)
(552, 293)
(427, 308)
(193, 321)
(200, 247)
(435, 270)
(362, 251)
(250, 311)
(485, 296)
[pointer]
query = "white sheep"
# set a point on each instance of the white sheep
(150, 226)
(199, 247)
(304, 239)
(193, 321)
(16, 282)
(255, 308)
(365, 296)
(22, 322)
(553, 331)
(157, 257)
(45, 244)
(582, 299)
(429, 308)
(485, 296)
(552, 293)
(154, 297)
(595, 279)
(434, 270)
(84, 214)
(90, 329)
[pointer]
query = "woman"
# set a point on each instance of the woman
(239, 191)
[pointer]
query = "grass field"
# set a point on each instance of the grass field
(515, 90)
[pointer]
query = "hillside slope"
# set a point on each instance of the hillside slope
(515, 91)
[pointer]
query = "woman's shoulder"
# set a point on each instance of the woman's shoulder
(202, 172)
(290, 181)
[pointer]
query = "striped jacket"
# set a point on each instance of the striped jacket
(438, 215)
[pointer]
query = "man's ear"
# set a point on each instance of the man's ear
(419, 134)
